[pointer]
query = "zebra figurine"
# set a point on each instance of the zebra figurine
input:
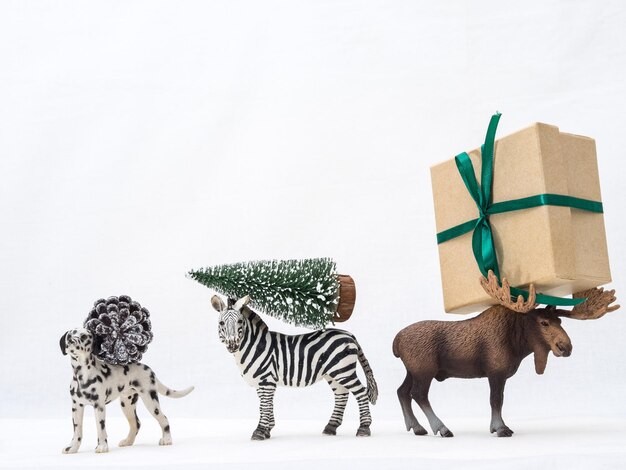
(268, 359)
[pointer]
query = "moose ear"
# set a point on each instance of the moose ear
(241, 302)
(218, 303)
(63, 344)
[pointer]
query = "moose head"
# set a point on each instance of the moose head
(544, 324)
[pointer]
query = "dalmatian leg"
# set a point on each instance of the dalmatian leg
(151, 400)
(100, 412)
(78, 412)
(129, 407)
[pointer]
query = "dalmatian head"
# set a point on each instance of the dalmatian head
(76, 342)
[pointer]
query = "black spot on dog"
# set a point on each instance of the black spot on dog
(108, 392)
(135, 383)
(106, 370)
(99, 378)
(154, 395)
(67, 449)
(93, 397)
(134, 399)
(102, 424)
(126, 369)
(167, 393)
(90, 382)
(167, 428)
(145, 367)
(156, 411)
(80, 439)
(123, 404)
(120, 388)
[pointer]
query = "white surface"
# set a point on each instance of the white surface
(139, 140)
(596, 444)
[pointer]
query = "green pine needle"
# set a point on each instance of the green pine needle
(302, 292)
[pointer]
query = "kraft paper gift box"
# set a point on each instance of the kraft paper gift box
(561, 250)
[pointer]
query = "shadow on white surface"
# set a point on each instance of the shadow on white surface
(569, 443)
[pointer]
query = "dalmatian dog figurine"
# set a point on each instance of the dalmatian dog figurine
(97, 383)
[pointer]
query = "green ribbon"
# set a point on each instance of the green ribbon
(482, 236)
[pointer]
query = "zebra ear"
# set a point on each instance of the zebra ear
(218, 303)
(241, 302)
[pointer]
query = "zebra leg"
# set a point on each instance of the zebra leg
(341, 398)
(354, 385)
(266, 422)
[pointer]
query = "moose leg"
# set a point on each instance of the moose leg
(341, 399)
(129, 407)
(420, 395)
(78, 411)
(496, 384)
(266, 421)
(404, 395)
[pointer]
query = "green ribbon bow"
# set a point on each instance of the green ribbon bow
(482, 237)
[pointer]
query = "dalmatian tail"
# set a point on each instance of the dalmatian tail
(168, 392)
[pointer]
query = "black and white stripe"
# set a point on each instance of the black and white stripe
(268, 359)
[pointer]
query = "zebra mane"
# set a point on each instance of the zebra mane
(254, 317)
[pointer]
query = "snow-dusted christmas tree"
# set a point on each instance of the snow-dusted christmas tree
(302, 292)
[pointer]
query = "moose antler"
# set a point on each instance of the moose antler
(502, 294)
(598, 304)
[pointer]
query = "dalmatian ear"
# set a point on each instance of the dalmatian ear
(63, 344)
(218, 303)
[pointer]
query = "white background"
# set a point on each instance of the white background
(139, 140)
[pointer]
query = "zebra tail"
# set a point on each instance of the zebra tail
(168, 392)
(372, 387)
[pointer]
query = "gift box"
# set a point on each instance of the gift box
(538, 218)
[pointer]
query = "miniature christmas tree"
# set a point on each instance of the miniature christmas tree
(302, 292)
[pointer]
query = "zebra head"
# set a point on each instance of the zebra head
(231, 321)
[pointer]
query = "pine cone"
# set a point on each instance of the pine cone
(121, 329)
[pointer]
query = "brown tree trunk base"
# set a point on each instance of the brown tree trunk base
(347, 298)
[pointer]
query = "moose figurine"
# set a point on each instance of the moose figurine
(492, 345)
